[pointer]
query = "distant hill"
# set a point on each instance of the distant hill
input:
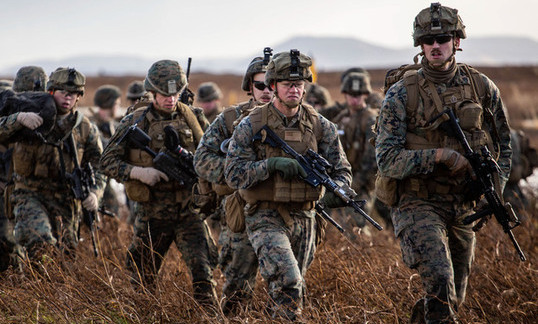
(330, 53)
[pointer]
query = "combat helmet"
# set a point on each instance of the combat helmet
(67, 79)
(318, 95)
(437, 19)
(209, 91)
(165, 77)
(356, 83)
(291, 66)
(257, 65)
(106, 95)
(30, 78)
(5, 85)
(135, 90)
(353, 69)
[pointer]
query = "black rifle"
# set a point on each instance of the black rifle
(176, 162)
(315, 167)
(187, 96)
(81, 181)
(485, 169)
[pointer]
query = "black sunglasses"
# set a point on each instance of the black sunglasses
(260, 85)
(440, 39)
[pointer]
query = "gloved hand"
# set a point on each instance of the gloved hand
(455, 162)
(91, 203)
(149, 175)
(30, 120)
(331, 200)
(288, 168)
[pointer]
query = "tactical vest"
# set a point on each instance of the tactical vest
(35, 161)
(354, 133)
(307, 135)
(232, 116)
(466, 101)
(138, 191)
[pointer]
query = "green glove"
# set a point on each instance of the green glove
(331, 200)
(288, 168)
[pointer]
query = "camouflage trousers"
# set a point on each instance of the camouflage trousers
(157, 225)
(434, 241)
(239, 265)
(110, 199)
(7, 241)
(284, 255)
(44, 218)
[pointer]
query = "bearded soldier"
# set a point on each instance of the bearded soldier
(46, 213)
(162, 208)
(424, 167)
(279, 211)
(237, 258)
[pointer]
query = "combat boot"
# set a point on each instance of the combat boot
(206, 295)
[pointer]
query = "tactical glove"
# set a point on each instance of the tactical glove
(288, 168)
(91, 203)
(331, 200)
(454, 161)
(30, 120)
(149, 175)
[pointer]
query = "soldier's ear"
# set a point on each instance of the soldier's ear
(457, 42)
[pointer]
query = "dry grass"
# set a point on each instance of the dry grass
(349, 282)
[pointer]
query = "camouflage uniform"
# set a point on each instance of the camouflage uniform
(105, 98)
(524, 160)
(431, 206)
(44, 208)
(162, 211)
(237, 258)
(284, 252)
(28, 78)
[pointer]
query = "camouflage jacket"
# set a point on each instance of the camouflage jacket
(395, 161)
(244, 170)
(355, 128)
(209, 161)
(114, 159)
(47, 155)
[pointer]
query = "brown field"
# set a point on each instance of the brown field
(360, 281)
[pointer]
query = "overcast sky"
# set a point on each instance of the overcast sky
(176, 29)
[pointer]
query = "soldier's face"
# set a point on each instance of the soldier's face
(164, 103)
(209, 106)
(439, 54)
(65, 100)
(261, 96)
(356, 101)
(290, 92)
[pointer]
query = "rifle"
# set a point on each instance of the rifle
(315, 167)
(187, 96)
(485, 169)
(80, 181)
(175, 161)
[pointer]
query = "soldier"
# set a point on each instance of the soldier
(318, 97)
(524, 161)
(209, 97)
(331, 111)
(28, 78)
(135, 92)
(237, 258)
(45, 210)
(162, 208)
(5, 85)
(279, 214)
(107, 98)
(355, 121)
(423, 168)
